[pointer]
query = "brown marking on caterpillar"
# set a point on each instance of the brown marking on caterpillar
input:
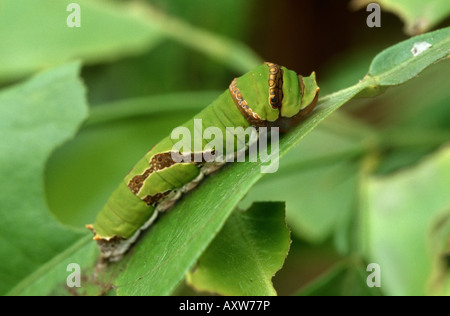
(252, 117)
(157, 162)
(137, 181)
(275, 85)
(162, 161)
(154, 199)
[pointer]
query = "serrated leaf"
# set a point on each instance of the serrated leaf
(246, 254)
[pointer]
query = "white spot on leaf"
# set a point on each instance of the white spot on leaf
(419, 48)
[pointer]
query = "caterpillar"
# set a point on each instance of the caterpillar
(268, 96)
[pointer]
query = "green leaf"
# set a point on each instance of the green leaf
(332, 168)
(246, 254)
(37, 34)
(414, 198)
(311, 218)
(419, 16)
(397, 64)
(50, 277)
(126, 29)
(412, 119)
(420, 105)
(35, 117)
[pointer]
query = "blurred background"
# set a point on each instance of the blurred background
(151, 65)
(302, 35)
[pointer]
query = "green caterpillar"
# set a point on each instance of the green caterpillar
(268, 96)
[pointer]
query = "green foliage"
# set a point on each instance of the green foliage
(57, 43)
(370, 179)
(419, 196)
(400, 62)
(418, 16)
(37, 116)
(127, 29)
(246, 254)
(331, 168)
